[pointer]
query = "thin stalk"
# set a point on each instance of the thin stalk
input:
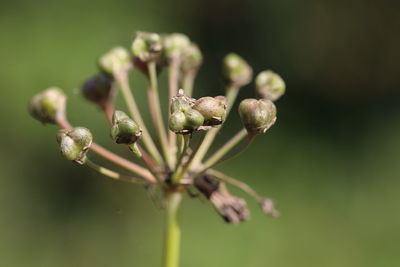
(218, 156)
(243, 186)
(173, 78)
(122, 79)
(172, 231)
(113, 174)
(101, 151)
(155, 109)
(187, 83)
(177, 175)
(231, 95)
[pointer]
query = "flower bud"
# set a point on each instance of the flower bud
(48, 106)
(74, 143)
(236, 70)
(213, 109)
(174, 44)
(147, 46)
(116, 60)
(181, 102)
(194, 119)
(257, 115)
(270, 85)
(98, 89)
(185, 122)
(177, 122)
(191, 58)
(124, 130)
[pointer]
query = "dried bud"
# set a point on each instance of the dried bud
(147, 46)
(48, 106)
(267, 206)
(116, 60)
(231, 208)
(174, 44)
(257, 115)
(191, 58)
(270, 85)
(74, 143)
(98, 89)
(124, 130)
(237, 71)
(213, 109)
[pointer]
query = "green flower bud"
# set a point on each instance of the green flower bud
(236, 70)
(213, 109)
(270, 85)
(181, 102)
(177, 122)
(191, 58)
(257, 115)
(48, 106)
(124, 130)
(174, 44)
(74, 143)
(147, 46)
(194, 119)
(98, 89)
(116, 60)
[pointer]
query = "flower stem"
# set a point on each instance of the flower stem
(173, 78)
(113, 174)
(187, 83)
(122, 79)
(155, 109)
(172, 231)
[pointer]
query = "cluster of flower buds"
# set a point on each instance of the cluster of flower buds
(74, 143)
(178, 164)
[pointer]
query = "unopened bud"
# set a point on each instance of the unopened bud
(270, 85)
(74, 143)
(181, 102)
(185, 122)
(98, 89)
(147, 46)
(48, 106)
(116, 60)
(213, 109)
(174, 44)
(236, 70)
(257, 115)
(191, 58)
(124, 130)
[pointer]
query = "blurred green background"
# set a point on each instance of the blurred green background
(331, 162)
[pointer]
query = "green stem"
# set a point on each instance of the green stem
(155, 110)
(172, 231)
(187, 83)
(122, 79)
(217, 157)
(231, 94)
(114, 175)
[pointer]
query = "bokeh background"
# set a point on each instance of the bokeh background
(331, 162)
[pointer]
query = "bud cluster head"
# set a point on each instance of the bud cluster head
(124, 130)
(236, 70)
(117, 59)
(269, 85)
(74, 143)
(48, 106)
(213, 109)
(184, 119)
(98, 89)
(147, 46)
(257, 115)
(174, 45)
